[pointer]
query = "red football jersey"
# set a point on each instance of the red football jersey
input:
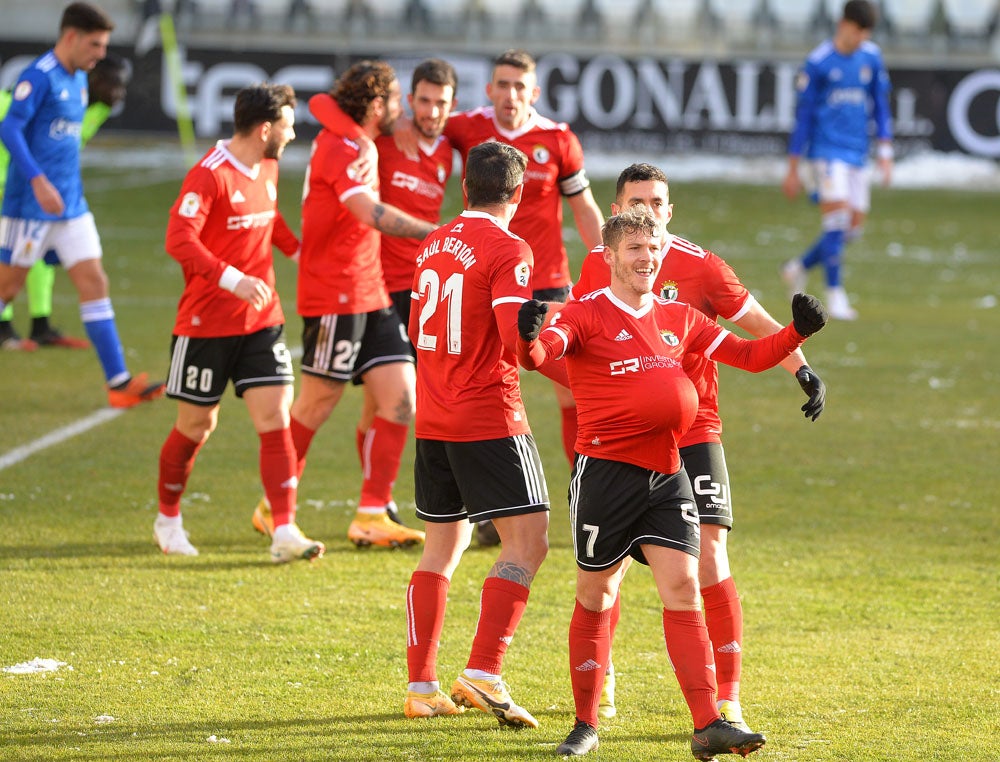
(416, 187)
(471, 276)
(704, 280)
(555, 169)
(340, 272)
(226, 214)
(626, 371)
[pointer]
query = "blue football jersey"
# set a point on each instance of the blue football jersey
(838, 98)
(49, 102)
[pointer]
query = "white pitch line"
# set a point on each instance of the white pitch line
(58, 436)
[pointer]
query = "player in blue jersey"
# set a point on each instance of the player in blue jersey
(843, 88)
(106, 85)
(43, 206)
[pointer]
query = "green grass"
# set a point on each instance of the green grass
(865, 548)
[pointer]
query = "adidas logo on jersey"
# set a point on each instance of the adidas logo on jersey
(623, 336)
(588, 666)
(237, 197)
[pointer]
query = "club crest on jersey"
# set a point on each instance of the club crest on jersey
(522, 274)
(272, 192)
(668, 290)
(540, 154)
(442, 174)
(865, 75)
(22, 91)
(669, 338)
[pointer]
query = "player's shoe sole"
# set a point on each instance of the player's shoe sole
(581, 740)
(54, 338)
(262, 519)
(493, 698)
(136, 390)
(289, 544)
(435, 704)
(378, 529)
(723, 738)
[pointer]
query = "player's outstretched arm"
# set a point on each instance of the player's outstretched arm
(758, 322)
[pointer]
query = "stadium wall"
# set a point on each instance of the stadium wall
(615, 103)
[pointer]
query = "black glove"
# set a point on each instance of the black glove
(814, 387)
(530, 319)
(808, 314)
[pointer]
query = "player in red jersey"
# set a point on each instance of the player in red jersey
(230, 326)
(351, 331)
(414, 184)
(698, 277)
(476, 458)
(626, 352)
(555, 171)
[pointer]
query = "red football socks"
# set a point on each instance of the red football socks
(500, 609)
(176, 461)
(426, 598)
(589, 654)
(724, 617)
(381, 454)
(278, 474)
(691, 654)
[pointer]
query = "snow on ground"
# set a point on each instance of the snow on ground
(928, 170)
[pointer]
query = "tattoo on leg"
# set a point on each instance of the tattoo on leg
(512, 572)
(404, 410)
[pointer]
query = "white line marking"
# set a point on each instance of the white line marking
(58, 436)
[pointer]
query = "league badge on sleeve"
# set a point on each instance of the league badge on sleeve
(22, 91)
(522, 274)
(189, 205)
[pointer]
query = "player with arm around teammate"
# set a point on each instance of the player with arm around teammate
(351, 332)
(230, 325)
(691, 274)
(625, 352)
(555, 171)
(44, 208)
(475, 456)
(415, 185)
(843, 95)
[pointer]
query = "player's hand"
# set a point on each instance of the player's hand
(792, 185)
(808, 314)
(531, 318)
(404, 134)
(364, 169)
(814, 387)
(48, 198)
(254, 291)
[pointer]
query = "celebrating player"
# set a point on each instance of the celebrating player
(230, 326)
(698, 277)
(476, 458)
(44, 208)
(626, 351)
(843, 92)
(414, 184)
(351, 331)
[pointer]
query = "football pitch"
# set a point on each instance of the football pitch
(865, 546)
